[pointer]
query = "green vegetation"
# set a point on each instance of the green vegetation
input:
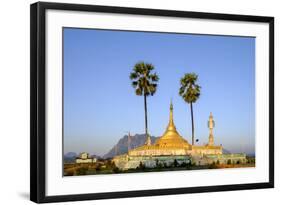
(145, 84)
(108, 167)
(251, 160)
(176, 163)
(82, 170)
(141, 166)
(101, 167)
(190, 93)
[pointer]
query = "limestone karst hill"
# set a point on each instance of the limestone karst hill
(122, 145)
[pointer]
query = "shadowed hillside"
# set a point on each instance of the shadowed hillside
(122, 146)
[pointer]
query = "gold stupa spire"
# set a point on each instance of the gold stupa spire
(171, 125)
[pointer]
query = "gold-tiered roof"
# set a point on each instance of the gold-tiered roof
(171, 137)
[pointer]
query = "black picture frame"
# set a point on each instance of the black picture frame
(38, 109)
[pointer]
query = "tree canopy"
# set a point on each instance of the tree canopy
(189, 90)
(143, 80)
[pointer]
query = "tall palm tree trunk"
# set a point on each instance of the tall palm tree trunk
(192, 122)
(145, 112)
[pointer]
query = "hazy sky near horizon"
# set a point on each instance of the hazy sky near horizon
(100, 105)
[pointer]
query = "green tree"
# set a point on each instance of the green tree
(141, 166)
(176, 163)
(190, 92)
(145, 84)
(157, 162)
(228, 161)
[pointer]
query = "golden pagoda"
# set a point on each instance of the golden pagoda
(171, 138)
(172, 146)
(171, 143)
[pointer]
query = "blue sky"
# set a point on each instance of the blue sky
(100, 105)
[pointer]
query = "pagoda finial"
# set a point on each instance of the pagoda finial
(171, 110)
(171, 125)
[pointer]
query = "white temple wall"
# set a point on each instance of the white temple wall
(84, 161)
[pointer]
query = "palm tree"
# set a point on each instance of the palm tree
(190, 93)
(145, 84)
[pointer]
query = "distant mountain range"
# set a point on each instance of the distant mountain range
(225, 151)
(122, 146)
(70, 155)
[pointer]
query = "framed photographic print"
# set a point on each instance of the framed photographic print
(129, 102)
